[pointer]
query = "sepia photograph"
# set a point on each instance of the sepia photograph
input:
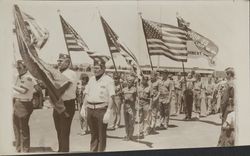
(105, 76)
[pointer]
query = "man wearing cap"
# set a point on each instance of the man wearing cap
(99, 97)
(129, 96)
(23, 108)
(165, 99)
(63, 121)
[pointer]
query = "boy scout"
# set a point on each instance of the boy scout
(164, 100)
(154, 85)
(144, 104)
(129, 94)
(23, 108)
(117, 103)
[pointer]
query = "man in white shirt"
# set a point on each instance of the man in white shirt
(23, 108)
(63, 121)
(97, 105)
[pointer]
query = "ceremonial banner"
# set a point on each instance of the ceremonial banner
(203, 45)
(55, 82)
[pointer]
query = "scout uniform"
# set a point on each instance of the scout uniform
(178, 92)
(188, 97)
(117, 103)
(129, 94)
(197, 95)
(23, 108)
(164, 100)
(154, 88)
(144, 104)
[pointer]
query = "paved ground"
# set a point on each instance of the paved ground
(180, 134)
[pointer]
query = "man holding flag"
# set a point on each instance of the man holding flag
(63, 121)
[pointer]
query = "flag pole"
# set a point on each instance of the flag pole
(61, 19)
(184, 73)
(110, 51)
(151, 65)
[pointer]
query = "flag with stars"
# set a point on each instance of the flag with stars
(117, 46)
(166, 40)
(75, 43)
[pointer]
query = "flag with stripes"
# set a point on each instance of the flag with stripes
(116, 46)
(166, 40)
(75, 43)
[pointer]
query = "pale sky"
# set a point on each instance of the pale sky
(222, 22)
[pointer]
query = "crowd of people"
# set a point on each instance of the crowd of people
(149, 100)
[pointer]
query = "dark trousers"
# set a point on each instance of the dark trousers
(129, 119)
(188, 100)
(63, 124)
(21, 116)
(97, 129)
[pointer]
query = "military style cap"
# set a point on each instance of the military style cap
(20, 62)
(165, 71)
(153, 73)
(116, 76)
(230, 70)
(179, 74)
(63, 56)
(99, 62)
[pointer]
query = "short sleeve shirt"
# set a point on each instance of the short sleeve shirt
(69, 94)
(26, 82)
(101, 90)
(129, 93)
(165, 87)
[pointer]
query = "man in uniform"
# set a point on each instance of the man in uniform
(23, 107)
(97, 105)
(154, 107)
(178, 92)
(129, 93)
(197, 95)
(117, 102)
(164, 100)
(188, 96)
(144, 104)
(63, 120)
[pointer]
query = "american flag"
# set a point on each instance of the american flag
(166, 40)
(75, 43)
(116, 46)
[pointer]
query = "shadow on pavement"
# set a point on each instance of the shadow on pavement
(138, 140)
(40, 149)
(114, 137)
(135, 139)
(196, 119)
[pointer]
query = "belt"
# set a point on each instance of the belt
(22, 100)
(97, 105)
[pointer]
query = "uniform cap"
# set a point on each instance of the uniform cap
(63, 56)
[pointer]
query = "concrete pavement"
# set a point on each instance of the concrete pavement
(180, 134)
